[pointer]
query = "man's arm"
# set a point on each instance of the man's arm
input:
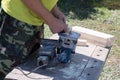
(58, 14)
(37, 7)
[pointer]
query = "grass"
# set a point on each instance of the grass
(102, 18)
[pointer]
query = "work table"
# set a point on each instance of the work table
(86, 64)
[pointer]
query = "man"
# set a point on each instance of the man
(22, 27)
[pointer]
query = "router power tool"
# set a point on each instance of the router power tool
(67, 45)
(59, 50)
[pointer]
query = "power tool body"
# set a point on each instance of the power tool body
(60, 51)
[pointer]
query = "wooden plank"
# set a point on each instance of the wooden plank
(69, 72)
(92, 70)
(16, 74)
(96, 37)
(86, 64)
(86, 50)
(95, 64)
(100, 53)
(80, 42)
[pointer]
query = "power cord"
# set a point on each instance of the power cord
(20, 69)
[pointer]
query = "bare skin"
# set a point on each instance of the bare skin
(58, 14)
(55, 19)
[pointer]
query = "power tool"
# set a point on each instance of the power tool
(59, 50)
(67, 45)
(47, 52)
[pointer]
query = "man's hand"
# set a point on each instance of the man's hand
(58, 26)
(60, 21)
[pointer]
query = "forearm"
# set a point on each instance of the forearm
(37, 7)
(58, 14)
(55, 11)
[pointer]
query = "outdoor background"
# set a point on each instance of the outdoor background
(101, 15)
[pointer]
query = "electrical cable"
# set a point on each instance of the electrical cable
(20, 69)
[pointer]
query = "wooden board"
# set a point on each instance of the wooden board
(95, 37)
(69, 71)
(95, 64)
(86, 64)
(80, 42)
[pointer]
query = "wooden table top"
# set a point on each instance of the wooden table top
(86, 64)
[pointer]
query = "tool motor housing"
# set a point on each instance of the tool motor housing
(67, 46)
(47, 51)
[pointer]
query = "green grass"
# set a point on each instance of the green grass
(102, 18)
